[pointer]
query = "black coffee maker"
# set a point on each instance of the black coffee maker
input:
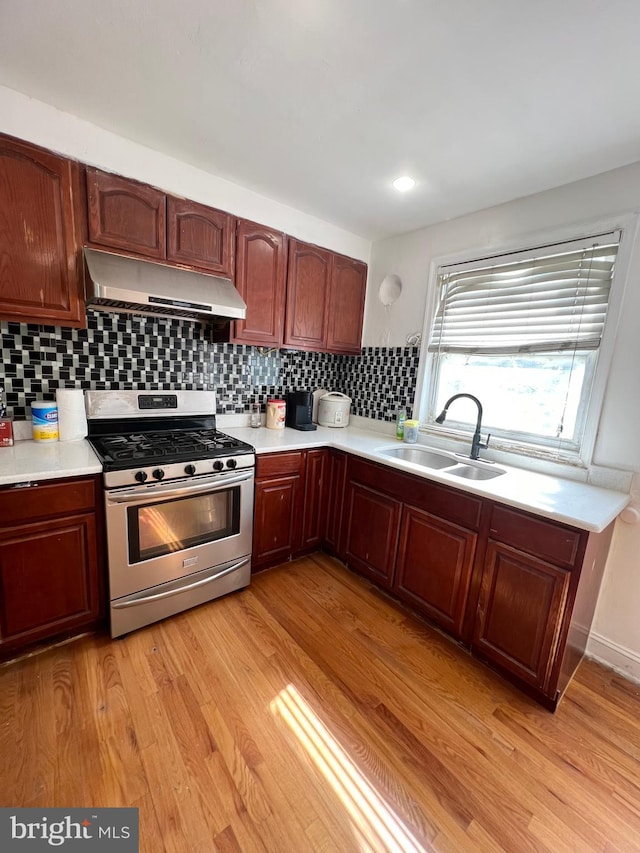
(299, 410)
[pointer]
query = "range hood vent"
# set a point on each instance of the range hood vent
(142, 287)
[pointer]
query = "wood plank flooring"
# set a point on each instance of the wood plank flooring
(310, 713)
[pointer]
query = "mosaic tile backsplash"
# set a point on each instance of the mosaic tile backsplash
(133, 352)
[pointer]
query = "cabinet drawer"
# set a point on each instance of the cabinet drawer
(542, 538)
(278, 464)
(51, 499)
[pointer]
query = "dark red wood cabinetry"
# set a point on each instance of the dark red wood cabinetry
(334, 496)
(146, 222)
(278, 508)
(346, 305)
(372, 522)
(314, 517)
(124, 214)
(308, 281)
(51, 571)
(435, 561)
(519, 613)
(508, 584)
(261, 279)
(298, 295)
(40, 236)
(424, 550)
(200, 236)
(325, 300)
(291, 505)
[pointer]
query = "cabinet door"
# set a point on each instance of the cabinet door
(346, 305)
(372, 524)
(315, 507)
(124, 214)
(200, 236)
(276, 525)
(49, 579)
(261, 266)
(334, 497)
(40, 236)
(520, 612)
(307, 296)
(433, 572)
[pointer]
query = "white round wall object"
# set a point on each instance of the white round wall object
(390, 289)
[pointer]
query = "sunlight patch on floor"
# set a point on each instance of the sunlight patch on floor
(377, 826)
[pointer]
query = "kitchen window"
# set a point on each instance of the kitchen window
(522, 332)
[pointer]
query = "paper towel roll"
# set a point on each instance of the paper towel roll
(72, 418)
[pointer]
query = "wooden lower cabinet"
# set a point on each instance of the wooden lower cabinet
(372, 522)
(520, 612)
(433, 570)
(506, 583)
(314, 514)
(336, 479)
(51, 567)
(278, 509)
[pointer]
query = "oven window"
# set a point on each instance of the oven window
(173, 525)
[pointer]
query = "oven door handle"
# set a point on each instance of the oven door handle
(145, 599)
(213, 485)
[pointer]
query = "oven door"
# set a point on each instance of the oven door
(161, 532)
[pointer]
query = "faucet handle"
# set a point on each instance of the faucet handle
(486, 444)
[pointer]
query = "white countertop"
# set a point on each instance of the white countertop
(582, 505)
(40, 460)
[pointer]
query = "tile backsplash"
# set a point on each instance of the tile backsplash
(130, 351)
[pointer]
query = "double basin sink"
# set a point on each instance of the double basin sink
(446, 462)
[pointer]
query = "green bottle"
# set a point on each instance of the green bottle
(401, 418)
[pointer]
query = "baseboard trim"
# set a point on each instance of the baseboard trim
(612, 654)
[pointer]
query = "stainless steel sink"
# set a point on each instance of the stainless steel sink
(471, 472)
(419, 456)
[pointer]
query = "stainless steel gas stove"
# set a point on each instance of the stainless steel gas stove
(179, 502)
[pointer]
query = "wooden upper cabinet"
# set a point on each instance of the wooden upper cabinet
(200, 236)
(124, 214)
(325, 300)
(261, 270)
(346, 305)
(40, 236)
(308, 281)
(144, 221)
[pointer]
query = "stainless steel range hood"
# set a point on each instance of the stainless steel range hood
(143, 287)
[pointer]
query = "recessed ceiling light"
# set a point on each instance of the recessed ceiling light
(403, 184)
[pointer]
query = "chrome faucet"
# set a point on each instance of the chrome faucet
(476, 443)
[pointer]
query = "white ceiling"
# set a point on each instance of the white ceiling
(320, 104)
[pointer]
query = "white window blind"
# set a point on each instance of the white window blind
(552, 298)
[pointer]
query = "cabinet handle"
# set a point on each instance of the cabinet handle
(27, 485)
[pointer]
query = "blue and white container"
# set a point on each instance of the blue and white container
(44, 414)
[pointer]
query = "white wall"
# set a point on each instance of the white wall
(51, 128)
(613, 196)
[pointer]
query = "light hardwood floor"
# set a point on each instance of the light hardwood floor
(310, 713)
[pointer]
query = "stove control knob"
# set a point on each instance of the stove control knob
(158, 474)
(218, 466)
(140, 476)
(231, 463)
(190, 469)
